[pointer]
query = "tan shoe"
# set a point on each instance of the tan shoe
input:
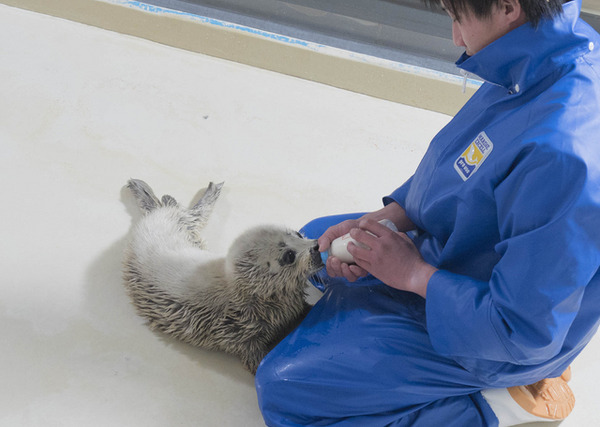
(551, 398)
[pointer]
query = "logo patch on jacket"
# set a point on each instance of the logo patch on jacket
(474, 156)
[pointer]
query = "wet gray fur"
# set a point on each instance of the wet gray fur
(243, 304)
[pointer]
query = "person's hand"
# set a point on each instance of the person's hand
(335, 267)
(391, 257)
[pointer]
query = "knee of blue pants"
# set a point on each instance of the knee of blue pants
(267, 388)
(276, 394)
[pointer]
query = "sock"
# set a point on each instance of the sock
(507, 410)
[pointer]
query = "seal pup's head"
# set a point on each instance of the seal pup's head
(268, 260)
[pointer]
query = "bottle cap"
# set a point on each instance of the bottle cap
(324, 256)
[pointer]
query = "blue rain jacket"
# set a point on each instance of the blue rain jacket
(507, 202)
(507, 205)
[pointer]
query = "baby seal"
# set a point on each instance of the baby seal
(243, 304)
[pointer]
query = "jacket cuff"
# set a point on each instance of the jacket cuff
(399, 195)
(458, 318)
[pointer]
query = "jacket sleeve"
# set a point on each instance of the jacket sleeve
(548, 218)
(399, 195)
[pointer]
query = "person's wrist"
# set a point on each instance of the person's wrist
(420, 279)
(387, 212)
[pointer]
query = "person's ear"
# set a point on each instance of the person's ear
(512, 12)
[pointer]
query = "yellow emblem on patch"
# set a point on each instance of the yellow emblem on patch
(474, 156)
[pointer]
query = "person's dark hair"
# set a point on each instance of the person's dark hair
(535, 10)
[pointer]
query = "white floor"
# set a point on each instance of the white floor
(81, 111)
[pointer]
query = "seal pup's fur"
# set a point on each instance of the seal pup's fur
(243, 304)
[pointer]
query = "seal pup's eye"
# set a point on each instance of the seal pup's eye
(288, 257)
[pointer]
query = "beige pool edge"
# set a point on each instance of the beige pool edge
(359, 73)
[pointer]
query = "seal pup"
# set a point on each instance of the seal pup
(243, 304)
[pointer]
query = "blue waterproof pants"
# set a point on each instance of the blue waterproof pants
(362, 357)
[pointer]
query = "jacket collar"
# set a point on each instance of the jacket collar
(527, 54)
